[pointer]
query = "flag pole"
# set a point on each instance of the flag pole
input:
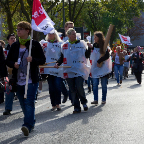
(28, 66)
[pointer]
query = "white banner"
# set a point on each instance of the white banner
(125, 39)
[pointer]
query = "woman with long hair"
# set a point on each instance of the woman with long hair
(52, 54)
(118, 64)
(98, 55)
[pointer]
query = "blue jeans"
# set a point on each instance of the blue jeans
(104, 88)
(28, 105)
(64, 90)
(118, 70)
(54, 89)
(88, 81)
(77, 91)
(9, 96)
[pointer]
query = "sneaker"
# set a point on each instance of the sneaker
(85, 107)
(76, 111)
(58, 109)
(6, 112)
(25, 130)
(53, 109)
(103, 102)
(94, 102)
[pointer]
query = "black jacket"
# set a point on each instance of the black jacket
(38, 58)
(3, 69)
(8, 47)
(87, 54)
(138, 67)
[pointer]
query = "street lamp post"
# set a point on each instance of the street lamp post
(63, 15)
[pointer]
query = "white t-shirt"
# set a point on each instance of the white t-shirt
(117, 59)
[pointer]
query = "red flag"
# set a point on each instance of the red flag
(40, 20)
(37, 12)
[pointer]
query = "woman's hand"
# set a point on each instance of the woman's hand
(16, 65)
(56, 66)
(89, 45)
(29, 59)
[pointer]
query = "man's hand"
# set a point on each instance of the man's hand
(16, 65)
(89, 45)
(29, 59)
(56, 66)
(140, 57)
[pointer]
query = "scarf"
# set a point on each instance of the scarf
(72, 42)
(23, 41)
(52, 41)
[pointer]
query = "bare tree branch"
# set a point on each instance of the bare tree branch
(79, 11)
(52, 6)
(70, 10)
(74, 7)
(15, 9)
(24, 11)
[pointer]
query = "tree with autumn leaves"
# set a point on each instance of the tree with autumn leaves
(93, 15)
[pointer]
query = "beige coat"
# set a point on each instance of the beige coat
(121, 58)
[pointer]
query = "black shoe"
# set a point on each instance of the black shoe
(58, 109)
(65, 99)
(139, 82)
(6, 112)
(25, 130)
(76, 111)
(85, 107)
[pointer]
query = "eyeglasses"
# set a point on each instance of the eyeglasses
(19, 29)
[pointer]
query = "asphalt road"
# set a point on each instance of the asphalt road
(120, 121)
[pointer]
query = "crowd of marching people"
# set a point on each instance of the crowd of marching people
(65, 61)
